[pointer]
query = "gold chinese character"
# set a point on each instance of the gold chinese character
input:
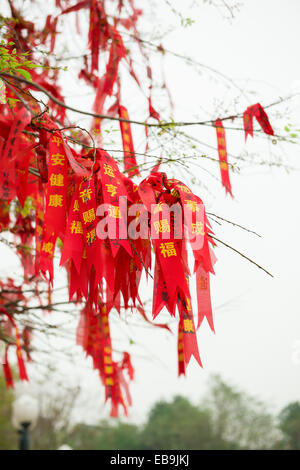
(184, 188)
(57, 159)
(188, 304)
(162, 226)
(114, 211)
(85, 195)
(48, 247)
(223, 165)
(108, 170)
(188, 326)
(57, 140)
(57, 180)
(111, 189)
(76, 206)
(202, 282)
(56, 200)
(158, 207)
(88, 216)
(109, 381)
(76, 227)
(198, 228)
(175, 193)
(91, 237)
(126, 138)
(222, 153)
(168, 249)
(192, 205)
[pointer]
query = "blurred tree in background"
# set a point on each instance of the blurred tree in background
(239, 420)
(290, 425)
(225, 419)
(177, 424)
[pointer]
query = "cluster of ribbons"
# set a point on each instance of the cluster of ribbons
(253, 111)
(85, 202)
(93, 334)
(80, 205)
(60, 190)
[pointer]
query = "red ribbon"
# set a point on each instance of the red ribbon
(222, 150)
(7, 159)
(257, 111)
(130, 163)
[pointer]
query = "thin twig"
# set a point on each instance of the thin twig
(233, 223)
(241, 254)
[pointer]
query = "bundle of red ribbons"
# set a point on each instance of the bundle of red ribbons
(77, 196)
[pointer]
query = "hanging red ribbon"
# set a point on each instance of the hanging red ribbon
(130, 163)
(180, 349)
(203, 297)
(7, 157)
(73, 241)
(222, 150)
(9, 380)
(257, 111)
(56, 188)
(21, 364)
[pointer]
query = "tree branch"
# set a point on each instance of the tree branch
(241, 254)
(140, 123)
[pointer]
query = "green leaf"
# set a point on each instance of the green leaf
(24, 74)
(12, 101)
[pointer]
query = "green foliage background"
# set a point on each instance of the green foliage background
(226, 419)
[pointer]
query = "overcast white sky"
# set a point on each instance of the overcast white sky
(257, 319)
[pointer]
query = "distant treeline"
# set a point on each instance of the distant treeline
(226, 419)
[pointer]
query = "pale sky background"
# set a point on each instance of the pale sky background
(257, 318)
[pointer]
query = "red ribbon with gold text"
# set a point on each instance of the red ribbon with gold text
(130, 163)
(222, 151)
